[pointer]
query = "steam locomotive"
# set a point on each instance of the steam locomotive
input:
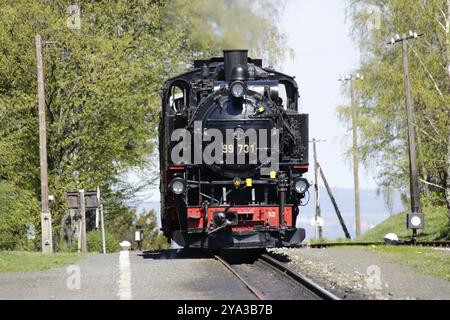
(233, 149)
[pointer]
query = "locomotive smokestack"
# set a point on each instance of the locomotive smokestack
(233, 58)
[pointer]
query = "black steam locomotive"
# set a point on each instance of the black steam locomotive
(233, 149)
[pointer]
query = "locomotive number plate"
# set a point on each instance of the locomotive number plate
(239, 148)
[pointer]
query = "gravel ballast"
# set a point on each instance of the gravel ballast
(354, 273)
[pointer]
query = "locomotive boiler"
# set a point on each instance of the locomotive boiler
(233, 150)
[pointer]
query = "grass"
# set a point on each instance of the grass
(435, 226)
(21, 261)
(436, 221)
(323, 240)
(423, 260)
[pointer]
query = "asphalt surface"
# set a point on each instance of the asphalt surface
(128, 276)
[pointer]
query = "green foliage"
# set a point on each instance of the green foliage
(102, 99)
(382, 114)
(212, 26)
(119, 221)
(18, 209)
(20, 261)
(153, 239)
(94, 242)
(435, 226)
(124, 222)
(63, 247)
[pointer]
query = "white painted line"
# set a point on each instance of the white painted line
(125, 276)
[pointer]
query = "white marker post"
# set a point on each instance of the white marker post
(102, 222)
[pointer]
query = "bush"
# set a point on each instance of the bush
(94, 242)
(18, 210)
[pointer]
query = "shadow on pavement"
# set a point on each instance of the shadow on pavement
(231, 256)
(176, 254)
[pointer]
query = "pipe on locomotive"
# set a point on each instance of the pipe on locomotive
(233, 59)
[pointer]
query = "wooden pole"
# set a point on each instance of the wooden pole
(338, 213)
(355, 160)
(316, 189)
(46, 218)
(413, 170)
(414, 181)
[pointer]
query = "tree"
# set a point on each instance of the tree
(153, 239)
(101, 101)
(382, 121)
(102, 95)
(212, 26)
(125, 221)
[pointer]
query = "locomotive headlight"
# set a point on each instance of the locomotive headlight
(178, 185)
(237, 89)
(301, 185)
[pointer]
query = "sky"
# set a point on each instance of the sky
(320, 38)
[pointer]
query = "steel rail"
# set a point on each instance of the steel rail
(251, 288)
(299, 278)
(402, 243)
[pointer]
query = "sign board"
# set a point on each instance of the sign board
(72, 200)
(91, 200)
(137, 236)
(316, 222)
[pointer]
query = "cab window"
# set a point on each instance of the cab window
(177, 98)
(289, 95)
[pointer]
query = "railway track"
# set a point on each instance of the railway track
(439, 244)
(268, 279)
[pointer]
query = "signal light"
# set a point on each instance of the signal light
(415, 220)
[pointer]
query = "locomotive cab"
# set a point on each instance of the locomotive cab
(233, 150)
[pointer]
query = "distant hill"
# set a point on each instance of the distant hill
(373, 211)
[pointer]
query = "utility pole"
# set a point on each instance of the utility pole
(352, 79)
(316, 187)
(414, 181)
(46, 217)
(333, 200)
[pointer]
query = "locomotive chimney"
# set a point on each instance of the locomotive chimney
(233, 58)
